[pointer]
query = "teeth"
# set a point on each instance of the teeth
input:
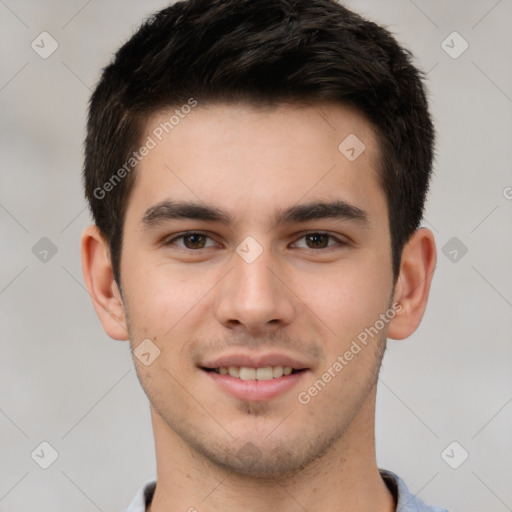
(278, 371)
(246, 373)
(264, 373)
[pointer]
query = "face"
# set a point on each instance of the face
(255, 246)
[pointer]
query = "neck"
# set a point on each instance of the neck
(346, 478)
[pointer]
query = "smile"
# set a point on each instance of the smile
(248, 373)
(254, 384)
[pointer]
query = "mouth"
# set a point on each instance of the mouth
(254, 377)
(249, 373)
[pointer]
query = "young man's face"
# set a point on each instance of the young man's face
(259, 292)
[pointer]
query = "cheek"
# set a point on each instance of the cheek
(162, 296)
(346, 298)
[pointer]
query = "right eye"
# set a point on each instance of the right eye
(192, 240)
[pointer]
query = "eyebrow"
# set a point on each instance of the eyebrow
(170, 210)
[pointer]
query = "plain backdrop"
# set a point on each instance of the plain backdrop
(445, 393)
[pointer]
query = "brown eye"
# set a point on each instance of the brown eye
(191, 241)
(196, 241)
(318, 240)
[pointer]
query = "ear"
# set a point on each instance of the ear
(413, 283)
(99, 279)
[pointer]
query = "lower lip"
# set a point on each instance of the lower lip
(256, 389)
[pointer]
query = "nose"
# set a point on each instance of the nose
(255, 296)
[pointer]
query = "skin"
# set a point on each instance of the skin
(195, 299)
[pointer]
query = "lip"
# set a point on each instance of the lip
(255, 390)
(254, 361)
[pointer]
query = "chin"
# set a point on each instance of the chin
(254, 455)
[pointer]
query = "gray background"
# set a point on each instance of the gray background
(63, 381)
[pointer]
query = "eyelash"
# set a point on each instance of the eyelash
(340, 243)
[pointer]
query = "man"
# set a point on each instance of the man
(257, 172)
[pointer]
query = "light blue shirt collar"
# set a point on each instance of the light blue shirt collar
(406, 501)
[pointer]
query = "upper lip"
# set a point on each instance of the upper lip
(254, 361)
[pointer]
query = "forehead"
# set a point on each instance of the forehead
(239, 156)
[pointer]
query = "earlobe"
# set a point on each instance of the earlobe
(99, 279)
(413, 283)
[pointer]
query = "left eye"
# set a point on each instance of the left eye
(191, 240)
(319, 240)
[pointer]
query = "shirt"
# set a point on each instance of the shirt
(406, 501)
